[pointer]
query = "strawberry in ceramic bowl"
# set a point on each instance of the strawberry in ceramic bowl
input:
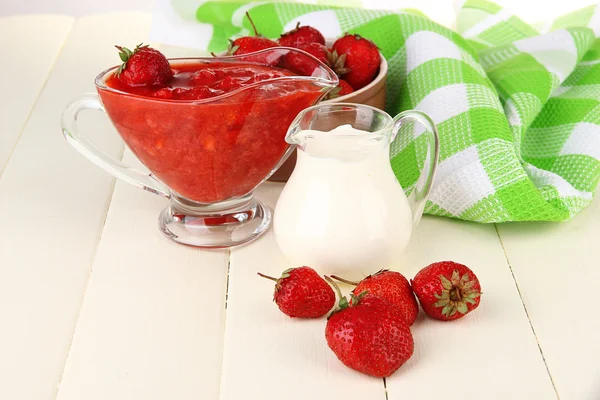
(358, 62)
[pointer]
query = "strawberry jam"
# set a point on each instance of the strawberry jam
(217, 130)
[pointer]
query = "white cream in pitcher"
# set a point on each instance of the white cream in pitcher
(343, 210)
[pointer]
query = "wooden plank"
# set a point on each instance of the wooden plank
(556, 268)
(52, 208)
(151, 326)
(491, 352)
(269, 356)
(23, 76)
(274, 351)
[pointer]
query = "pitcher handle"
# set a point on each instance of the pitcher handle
(418, 197)
(91, 101)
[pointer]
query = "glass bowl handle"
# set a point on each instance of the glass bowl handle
(91, 101)
(418, 197)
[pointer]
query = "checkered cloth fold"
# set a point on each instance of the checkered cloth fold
(517, 107)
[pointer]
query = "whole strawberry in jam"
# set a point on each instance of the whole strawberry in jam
(144, 66)
(369, 335)
(447, 290)
(250, 44)
(303, 65)
(195, 93)
(301, 35)
(302, 293)
(361, 60)
(343, 88)
(391, 286)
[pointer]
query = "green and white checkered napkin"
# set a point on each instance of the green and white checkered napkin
(517, 108)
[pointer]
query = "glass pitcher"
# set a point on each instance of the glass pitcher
(206, 155)
(343, 210)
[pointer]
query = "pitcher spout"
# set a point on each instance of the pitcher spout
(341, 131)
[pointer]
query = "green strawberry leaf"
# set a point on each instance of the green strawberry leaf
(445, 282)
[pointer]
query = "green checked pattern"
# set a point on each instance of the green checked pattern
(517, 108)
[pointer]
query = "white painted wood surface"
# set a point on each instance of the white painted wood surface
(557, 269)
(268, 355)
(99, 301)
(151, 324)
(52, 209)
(493, 348)
(265, 352)
(23, 76)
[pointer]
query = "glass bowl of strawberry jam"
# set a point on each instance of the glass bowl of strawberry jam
(209, 137)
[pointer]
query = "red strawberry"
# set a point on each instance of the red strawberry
(302, 293)
(369, 335)
(343, 88)
(195, 93)
(447, 290)
(164, 93)
(301, 35)
(390, 286)
(143, 66)
(228, 84)
(301, 64)
(250, 44)
(360, 63)
(207, 76)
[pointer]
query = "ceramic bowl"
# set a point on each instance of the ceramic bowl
(372, 95)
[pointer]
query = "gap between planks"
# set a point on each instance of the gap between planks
(225, 317)
(526, 312)
(109, 199)
(385, 389)
(10, 154)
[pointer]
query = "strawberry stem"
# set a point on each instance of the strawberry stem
(337, 278)
(252, 23)
(266, 276)
(335, 286)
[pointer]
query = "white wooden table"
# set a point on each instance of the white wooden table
(95, 304)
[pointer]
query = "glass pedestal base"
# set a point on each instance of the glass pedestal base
(221, 225)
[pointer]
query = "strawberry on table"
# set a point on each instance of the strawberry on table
(359, 62)
(343, 88)
(144, 66)
(369, 335)
(391, 286)
(447, 290)
(302, 293)
(301, 64)
(250, 44)
(301, 35)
